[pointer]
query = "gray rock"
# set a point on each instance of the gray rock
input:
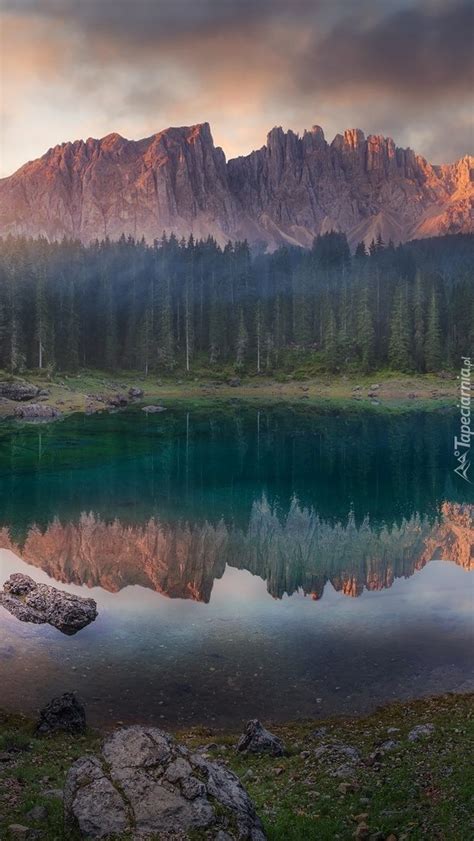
(420, 731)
(257, 739)
(41, 603)
(145, 783)
(388, 746)
(53, 793)
(37, 813)
(135, 393)
(18, 391)
(234, 382)
(18, 832)
(152, 410)
(37, 411)
(117, 401)
(63, 714)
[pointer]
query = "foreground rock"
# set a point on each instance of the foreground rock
(18, 391)
(37, 411)
(257, 739)
(420, 731)
(41, 603)
(145, 784)
(63, 714)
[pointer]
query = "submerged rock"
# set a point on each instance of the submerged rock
(63, 714)
(257, 739)
(18, 391)
(41, 603)
(152, 410)
(37, 411)
(146, 784)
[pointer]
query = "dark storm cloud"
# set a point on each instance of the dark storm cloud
(154, 20)
(399, 67)
(424, 51)
(403, 47)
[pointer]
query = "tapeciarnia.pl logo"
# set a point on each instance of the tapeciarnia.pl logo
(462, 445)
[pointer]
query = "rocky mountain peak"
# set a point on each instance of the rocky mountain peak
(290, 190)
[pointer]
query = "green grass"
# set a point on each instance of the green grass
(422, 790)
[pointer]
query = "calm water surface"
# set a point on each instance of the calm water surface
(275, 562)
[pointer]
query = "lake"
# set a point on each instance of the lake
(281, 562)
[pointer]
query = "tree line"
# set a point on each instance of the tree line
(184, 305)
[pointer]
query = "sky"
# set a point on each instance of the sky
(74, 69)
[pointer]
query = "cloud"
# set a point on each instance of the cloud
(413, 53)
(402, 67)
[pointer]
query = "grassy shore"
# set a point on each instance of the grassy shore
(91, 391)
(412, 792)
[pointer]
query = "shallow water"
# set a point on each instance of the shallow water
(273, 562)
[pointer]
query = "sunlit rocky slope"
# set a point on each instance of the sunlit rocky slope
(290, 190)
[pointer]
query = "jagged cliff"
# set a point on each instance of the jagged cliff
(290, 190)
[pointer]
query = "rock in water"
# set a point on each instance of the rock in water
(153, 410)
(18, 391)
(37, 411)
(40, 604)
(64, 714)
(145, 783)
(257, 739)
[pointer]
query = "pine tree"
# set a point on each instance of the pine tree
(44, 334)
(330, 343)
(242, 341)
(433, 355)
(399, 345)
(365, 332)
(419, 324)
(166, 352)
(258, 333)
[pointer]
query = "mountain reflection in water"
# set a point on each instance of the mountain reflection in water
(216, 509)
(297, 552)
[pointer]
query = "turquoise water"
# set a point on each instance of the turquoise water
(246, 562)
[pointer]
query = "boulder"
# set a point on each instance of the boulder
(421, 731)
(117, 401)
(234, 382)
(64, 714)
(257, 739)
(146, 784)
(135, 393)
(18, 391)
(41, 603)
(152, 410)
(37, 411)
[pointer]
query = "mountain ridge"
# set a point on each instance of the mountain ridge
(291, 189)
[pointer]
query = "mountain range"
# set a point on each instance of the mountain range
(292, 189)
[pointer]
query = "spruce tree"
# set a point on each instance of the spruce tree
(433, 355)
(399, 344)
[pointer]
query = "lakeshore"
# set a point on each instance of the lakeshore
(404, 790)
